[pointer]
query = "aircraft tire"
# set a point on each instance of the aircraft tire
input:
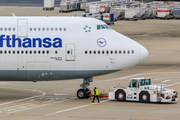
(88, 92)
(82, 94)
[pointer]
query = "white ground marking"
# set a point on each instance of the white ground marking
(43, 93)
(172, 84)
(59, 94)
(38, 106)
(18, 100)
(15, 106)
(145, 74)
(166, 81)
(74, 108)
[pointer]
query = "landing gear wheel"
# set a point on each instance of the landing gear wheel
(88, 92)
(144, 97)
(82, 94)
(120, 95)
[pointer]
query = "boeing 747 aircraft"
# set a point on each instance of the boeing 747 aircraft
(62, 48)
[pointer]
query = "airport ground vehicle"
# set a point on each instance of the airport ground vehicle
(141, 89)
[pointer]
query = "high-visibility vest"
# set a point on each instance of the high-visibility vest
(97, 92)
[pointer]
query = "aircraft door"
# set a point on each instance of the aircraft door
(22, 30)
(70, 52)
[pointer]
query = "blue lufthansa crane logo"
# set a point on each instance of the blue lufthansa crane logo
(101, 42)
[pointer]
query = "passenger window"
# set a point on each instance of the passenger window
(132, 51)
(18, 52)
(26, 52)
(128, 51)
(124, 52)
(30, 29)
(64, 29)
(60, 29)
(56, 29)
(111, 52)
(13, 51)
(30, 52)
(39, 29)
(85, 52)
(1, 52)
(94, 52)
(47, 51)
(22, 52)
(34, 52)
(98, 52)
(90, 52)
(119, 51)
(43, 29)
(5, 29)
(56, 51)
(9, 52)
(115, 51)
(34, 29)
(5, 51)
(51, 29)
(98, 27)
(103, 52)
(102, 26)
(1, 29)
(43, 52)
(39, 52)
(9, 29)
(47, 29)
(107, 51)
(68, 52)
(14, 29)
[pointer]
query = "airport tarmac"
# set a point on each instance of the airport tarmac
(57, 100)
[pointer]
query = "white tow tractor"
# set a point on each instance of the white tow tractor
(141, 89)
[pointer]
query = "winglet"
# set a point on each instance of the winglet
(13, 15)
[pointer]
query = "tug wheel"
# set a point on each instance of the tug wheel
(120, 95)
(144, 97)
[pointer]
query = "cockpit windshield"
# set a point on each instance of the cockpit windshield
(105, 26)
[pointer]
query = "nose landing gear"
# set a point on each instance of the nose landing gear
(84, 91)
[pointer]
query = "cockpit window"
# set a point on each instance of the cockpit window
(105, 26)
(98, 27)
(102, 27)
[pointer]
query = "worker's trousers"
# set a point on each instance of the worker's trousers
(95, 96)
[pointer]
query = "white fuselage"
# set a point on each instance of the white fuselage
(56, 48)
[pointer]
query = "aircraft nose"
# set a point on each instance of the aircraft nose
(143, 53)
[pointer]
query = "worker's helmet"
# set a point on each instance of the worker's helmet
(95, 88)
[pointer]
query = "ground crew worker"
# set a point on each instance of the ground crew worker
(95, 94)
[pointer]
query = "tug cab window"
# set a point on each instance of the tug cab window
(134, 83)
(145, 82)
